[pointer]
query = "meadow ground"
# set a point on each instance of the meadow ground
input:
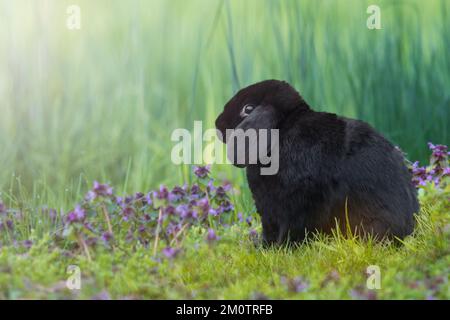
(100, 103)
(190, 242)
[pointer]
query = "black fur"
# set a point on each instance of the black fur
(329, 165)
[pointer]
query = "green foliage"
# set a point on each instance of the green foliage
(236, 266)
(101, 102)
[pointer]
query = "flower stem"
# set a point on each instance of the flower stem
(155, 246)
(179, 233)
(85, 247)
(108, 221)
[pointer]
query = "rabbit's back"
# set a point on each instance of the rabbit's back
(331, 165)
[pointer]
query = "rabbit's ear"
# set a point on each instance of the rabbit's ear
(251, 141)
(262, 117)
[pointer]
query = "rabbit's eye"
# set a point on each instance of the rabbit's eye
(247, 109)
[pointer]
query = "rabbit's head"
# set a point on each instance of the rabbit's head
(260, 106)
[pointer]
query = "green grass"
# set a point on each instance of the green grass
(235, 268)
(101, 103)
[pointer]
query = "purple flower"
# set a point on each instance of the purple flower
(188, 214)
(211, 236)
(226, 186)
(107, 237)
(148, 199)
(210, 187)
(249, 220)
(170, 252)
(173, 228)
(226, 206)
(77, 215)
(203, 205)
(240, 217)
(438, 167)
(185, 212)
(119, 201)
(2, 208)
(27, 244)
(332, 276)
(439, 153)
(214, 212)
(202, 171)
(253, 233)
(127, 213)
(138, 195)
(9, 224)
(419, 174)
(71, 217)
(99, 190)
(90, 196)
(221, 193)
(297, 284)
(437, 147)
(52, 214)
(169, 210)
(418, 171)
(195, 191)
(124, 201)
(176, 194)
(182, 210)
(163, 193)
(102, 189)
(446, 172)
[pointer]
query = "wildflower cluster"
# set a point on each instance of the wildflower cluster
(6, 222)
(437, 170)
(158, 219)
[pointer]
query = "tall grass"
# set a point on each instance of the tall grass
(101, 102)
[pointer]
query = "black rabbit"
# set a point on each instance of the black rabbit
(332, 170)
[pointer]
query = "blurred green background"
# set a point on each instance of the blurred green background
(101, 102)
